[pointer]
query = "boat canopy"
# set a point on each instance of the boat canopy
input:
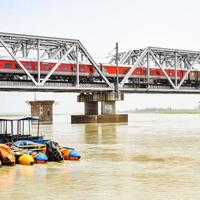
(20, 119)
(18, 126)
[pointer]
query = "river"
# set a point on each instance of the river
(153, 156)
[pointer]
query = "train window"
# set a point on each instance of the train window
(157, 73)
(146, 72)
(28, 66)
(105, 69)
(8, 65)
(138, 72)
(151, 73)
(65, 68)
(36, 67)
(82, 69)
(124, 71)
(74, 69)
(17, 66)
(92, 69)
(47, 67)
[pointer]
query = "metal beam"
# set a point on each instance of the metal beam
(47, 46)
(45, 53)
(186, 74)
(57, 65)
(175, 63)
(56, 52)
(121, 84)
(124, 57)
(160, 66)
(148, 69)
(32, 38)
(77, 67)
(38, 58)
(18, 62)
(94, 64)
(117, 67)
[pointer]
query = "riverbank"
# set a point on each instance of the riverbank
(162, 111)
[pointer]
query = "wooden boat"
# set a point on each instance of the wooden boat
(14, 129)
(29, 146)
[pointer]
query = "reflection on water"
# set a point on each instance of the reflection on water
(100, 134)
(152, 157)
(8, 174)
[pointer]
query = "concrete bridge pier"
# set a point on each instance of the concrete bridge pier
(108, 108)
(43, 110)
(91, 108)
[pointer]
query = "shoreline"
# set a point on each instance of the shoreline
(162, 111)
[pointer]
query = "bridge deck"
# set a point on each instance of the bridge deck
(23, 86)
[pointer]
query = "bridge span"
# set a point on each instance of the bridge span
(50, 64)
(148, 70)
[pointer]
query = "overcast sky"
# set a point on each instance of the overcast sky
(99, 24)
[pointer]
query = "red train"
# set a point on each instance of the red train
(10, 70)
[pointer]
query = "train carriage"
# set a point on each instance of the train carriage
(10, 70)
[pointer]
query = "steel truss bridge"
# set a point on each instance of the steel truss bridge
(40, 49)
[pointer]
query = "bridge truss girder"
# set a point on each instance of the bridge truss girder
(162, 58)
(44, 48)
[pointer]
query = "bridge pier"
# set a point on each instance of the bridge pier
(91, 108)
(43, 110)
(108, 108)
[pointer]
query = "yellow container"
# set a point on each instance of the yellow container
(26, 159)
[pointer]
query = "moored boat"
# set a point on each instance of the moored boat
(14, 129)
(29, 146)
(6, 155)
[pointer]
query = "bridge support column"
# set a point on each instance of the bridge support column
(43, 110)
(91, 108)
(108, 108)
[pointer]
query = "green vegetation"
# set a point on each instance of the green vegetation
(181, 111)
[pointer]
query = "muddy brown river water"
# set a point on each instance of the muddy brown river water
(154, 156)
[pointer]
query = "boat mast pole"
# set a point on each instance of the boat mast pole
(38, 128)
(29, 125)
(117, 68)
